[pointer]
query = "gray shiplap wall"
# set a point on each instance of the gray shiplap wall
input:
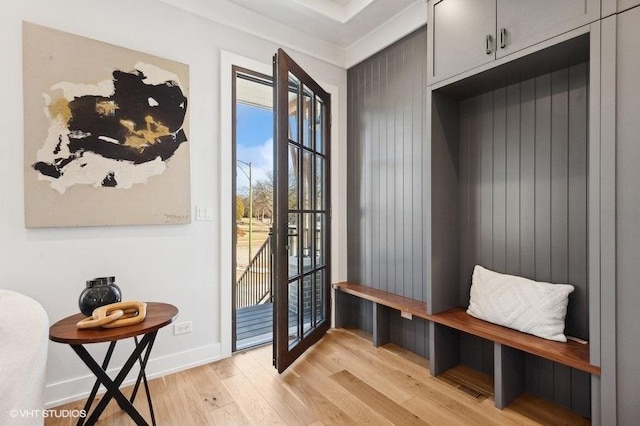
(386, 171)
(519, 191)
(523, 155)
(523, 205)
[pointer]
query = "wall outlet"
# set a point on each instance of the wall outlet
(182, 328)
(406, 315)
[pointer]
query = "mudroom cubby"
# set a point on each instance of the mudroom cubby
(510, 170)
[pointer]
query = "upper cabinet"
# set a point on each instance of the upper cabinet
(463, 35)
(610, 7)
(623, 5)
(523, 23)
(466, 34)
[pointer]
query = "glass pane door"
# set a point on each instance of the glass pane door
(302, 214)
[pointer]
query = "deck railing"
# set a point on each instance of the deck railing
(255, 284)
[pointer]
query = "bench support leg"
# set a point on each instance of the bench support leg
(509, 373)
(341, 309)
(381, 325)
(444, 348)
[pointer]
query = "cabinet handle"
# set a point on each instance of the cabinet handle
(503, 38)
(489, 44)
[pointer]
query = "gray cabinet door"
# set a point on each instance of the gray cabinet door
(523, 23)
(627, 4)
(460, 31)
(627, 215)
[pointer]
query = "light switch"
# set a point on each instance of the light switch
(204, 213)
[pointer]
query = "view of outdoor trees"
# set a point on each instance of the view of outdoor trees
(262, 216)
(262, 199)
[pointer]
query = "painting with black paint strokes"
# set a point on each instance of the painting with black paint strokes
(106, 133)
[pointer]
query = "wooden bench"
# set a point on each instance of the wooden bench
(509, 344)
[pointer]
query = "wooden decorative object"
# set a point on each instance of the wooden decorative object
(119, 314)
(91, 322)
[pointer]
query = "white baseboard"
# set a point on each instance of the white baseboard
(60, 393)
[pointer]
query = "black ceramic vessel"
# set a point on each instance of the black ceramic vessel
(99, 292)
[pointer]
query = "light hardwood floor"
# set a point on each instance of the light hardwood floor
(343, 379)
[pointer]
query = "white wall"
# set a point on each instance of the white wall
(177, 264)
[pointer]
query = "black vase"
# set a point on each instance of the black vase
(99, 292)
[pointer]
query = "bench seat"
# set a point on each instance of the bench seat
(572, 354)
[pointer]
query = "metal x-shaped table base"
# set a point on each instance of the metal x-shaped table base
(113, 386)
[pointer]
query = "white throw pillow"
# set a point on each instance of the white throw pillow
(529, 306)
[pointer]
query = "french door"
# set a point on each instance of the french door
(302, 214)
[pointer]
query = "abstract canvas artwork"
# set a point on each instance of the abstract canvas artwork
(106, 133)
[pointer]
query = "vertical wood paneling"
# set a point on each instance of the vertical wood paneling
(543, 178)
(580, 386)
(355, 312)
(562, 385)
(544, 371)
(386, 237)
(408, 187)
(359, 152)
(527, 179)
(445, 261)
(472, 352)
(383, 248)
(559, 175)
(410, 334)
(560, 209)
(465, 186)
(577, 238)
(475, 192)
(374, 202)
(477, 353)
(398, 168)
(389, 283)
(363, 312)
(352, 133)
(356, 152)
(486, 180)
(499, 180)
(512, 180)
(418, 146)
(521, 182)
(487, 357)
(386, 132)
(366, 211)
(523, 153)
(531, 374)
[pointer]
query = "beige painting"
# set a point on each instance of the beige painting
(105, 133)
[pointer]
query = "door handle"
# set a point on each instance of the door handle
(489, 44)
(503, 38)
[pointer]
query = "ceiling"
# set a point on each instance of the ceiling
(341, 22)
(339, 32)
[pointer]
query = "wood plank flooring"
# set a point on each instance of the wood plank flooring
(342, 380)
